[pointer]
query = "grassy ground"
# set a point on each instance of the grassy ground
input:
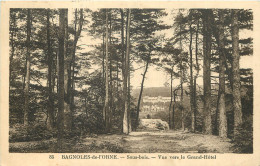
(135, 142)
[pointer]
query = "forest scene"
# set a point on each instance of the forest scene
(86, 80)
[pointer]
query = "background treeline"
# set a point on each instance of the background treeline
(57, 89)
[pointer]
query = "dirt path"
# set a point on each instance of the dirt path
(162, 142)
(135, 142)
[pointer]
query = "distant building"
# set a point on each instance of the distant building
(152, 105)
(159, 99)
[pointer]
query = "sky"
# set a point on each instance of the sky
(156, 77)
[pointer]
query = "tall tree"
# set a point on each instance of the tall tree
(129, 95)
(28, 64)
(111, 80)
(171, 114)
(179, 21)
(50, 111)
(184, 34)
(125, 77)
(207, 128)
(60, 119)
(170, 59)
(181, 68)
(141, 92)
(146, 42)
(222, 69)
(123, 57)
(106, 109)
(67, 108)
(197, 73)
(191, 75)
(12, 42)
(71, 71)
(235, 72)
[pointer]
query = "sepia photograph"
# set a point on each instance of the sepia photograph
(130, 80)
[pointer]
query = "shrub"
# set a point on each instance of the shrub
(84, 125)
(114, 148)
(163, 115)
(71, 134)
(34, 132)
(243, 142)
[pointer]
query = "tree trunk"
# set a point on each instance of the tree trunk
(122, 58)
(117, 80)
(50, 111)
(103, 57)
(28, 66)
(60, 120)
(72, 84)
(54, 72)
(196, 76)
(125, 117)
(106, 105)
(181, 80)
(191, 82)
(170, 106)
(129, 83)
(24, 74)
(228, 59)
(222, 69)
(67, 111)
(235, 72)
(140, 95)
(173, 109)
(207, 128)
(13, 32)
(57, 70)
(216, 126)
(129, 96)
(182, 109)
(111, 82)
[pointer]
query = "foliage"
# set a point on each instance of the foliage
(89, 124)
(35, 132)
(243, 142)
(162, 115)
